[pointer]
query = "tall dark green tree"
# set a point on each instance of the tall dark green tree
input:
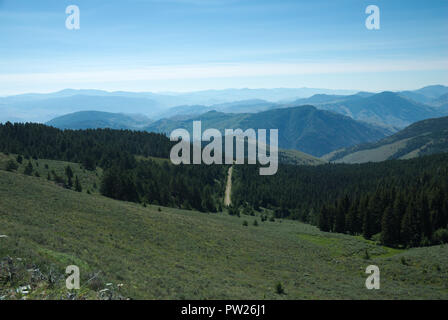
(389, 235)
(410, 226)
(69, 174)
(78, 186)
(28, 169)
(324, 219)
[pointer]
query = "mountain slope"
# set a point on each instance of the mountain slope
(304, 128)
(181, 254)
(35, 107)
(433, 91)
(421, 138)
(426, 94)
(44, 109)
(385, 108)
(98, 120)
(318, 99)
(248, 106)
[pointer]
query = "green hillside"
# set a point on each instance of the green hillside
(98, 119)
(421, 138)
(386, 109)
(170, 253)
(304, 128)
(45, 168)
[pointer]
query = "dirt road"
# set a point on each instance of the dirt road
(227, 201)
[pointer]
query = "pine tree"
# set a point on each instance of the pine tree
(78, 186)
(425, 217)
(352, 221)
(410, 226)
(367, 225)
(69, 174)
(341, 211)
(388, 227)
(324, 223)
(28, 169)
(438, 210)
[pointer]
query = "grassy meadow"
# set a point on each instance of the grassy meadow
(164, 253)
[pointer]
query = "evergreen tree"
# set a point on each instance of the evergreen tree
(78, 186)
(388, 228)
(410, 227)
(69, 174)
(324, 221)
(28, 169)
(367, 225)
(341, 211)
(352, 221)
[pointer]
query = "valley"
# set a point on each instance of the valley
(164, 253)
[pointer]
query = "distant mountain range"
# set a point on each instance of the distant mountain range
(388, 109)
(98, 119)
(385, 108)
(303, 128)
(421, 138)
(43, 107)
(337, 120)
(243, 106)
(393, 110)
(427, 94)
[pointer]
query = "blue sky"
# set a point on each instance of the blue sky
(187, 45)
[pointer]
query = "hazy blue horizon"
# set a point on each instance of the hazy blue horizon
(344, 91)
(196, 45)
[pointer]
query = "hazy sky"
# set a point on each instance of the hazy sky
(185, 45)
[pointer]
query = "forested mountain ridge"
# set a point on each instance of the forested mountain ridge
(385, 108)
(99, 120)
(355, 199)
(408, 197)
(421, 138)
(96, 146)
(126, 177)
(303, 128)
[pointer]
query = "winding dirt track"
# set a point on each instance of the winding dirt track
(227, 200)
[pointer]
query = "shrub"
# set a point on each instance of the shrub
(366, 255)
(245, 223)
(28, 169)
(11, 165)
(404, 261)
(441, 236)
(255, 223)
(279, 288)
